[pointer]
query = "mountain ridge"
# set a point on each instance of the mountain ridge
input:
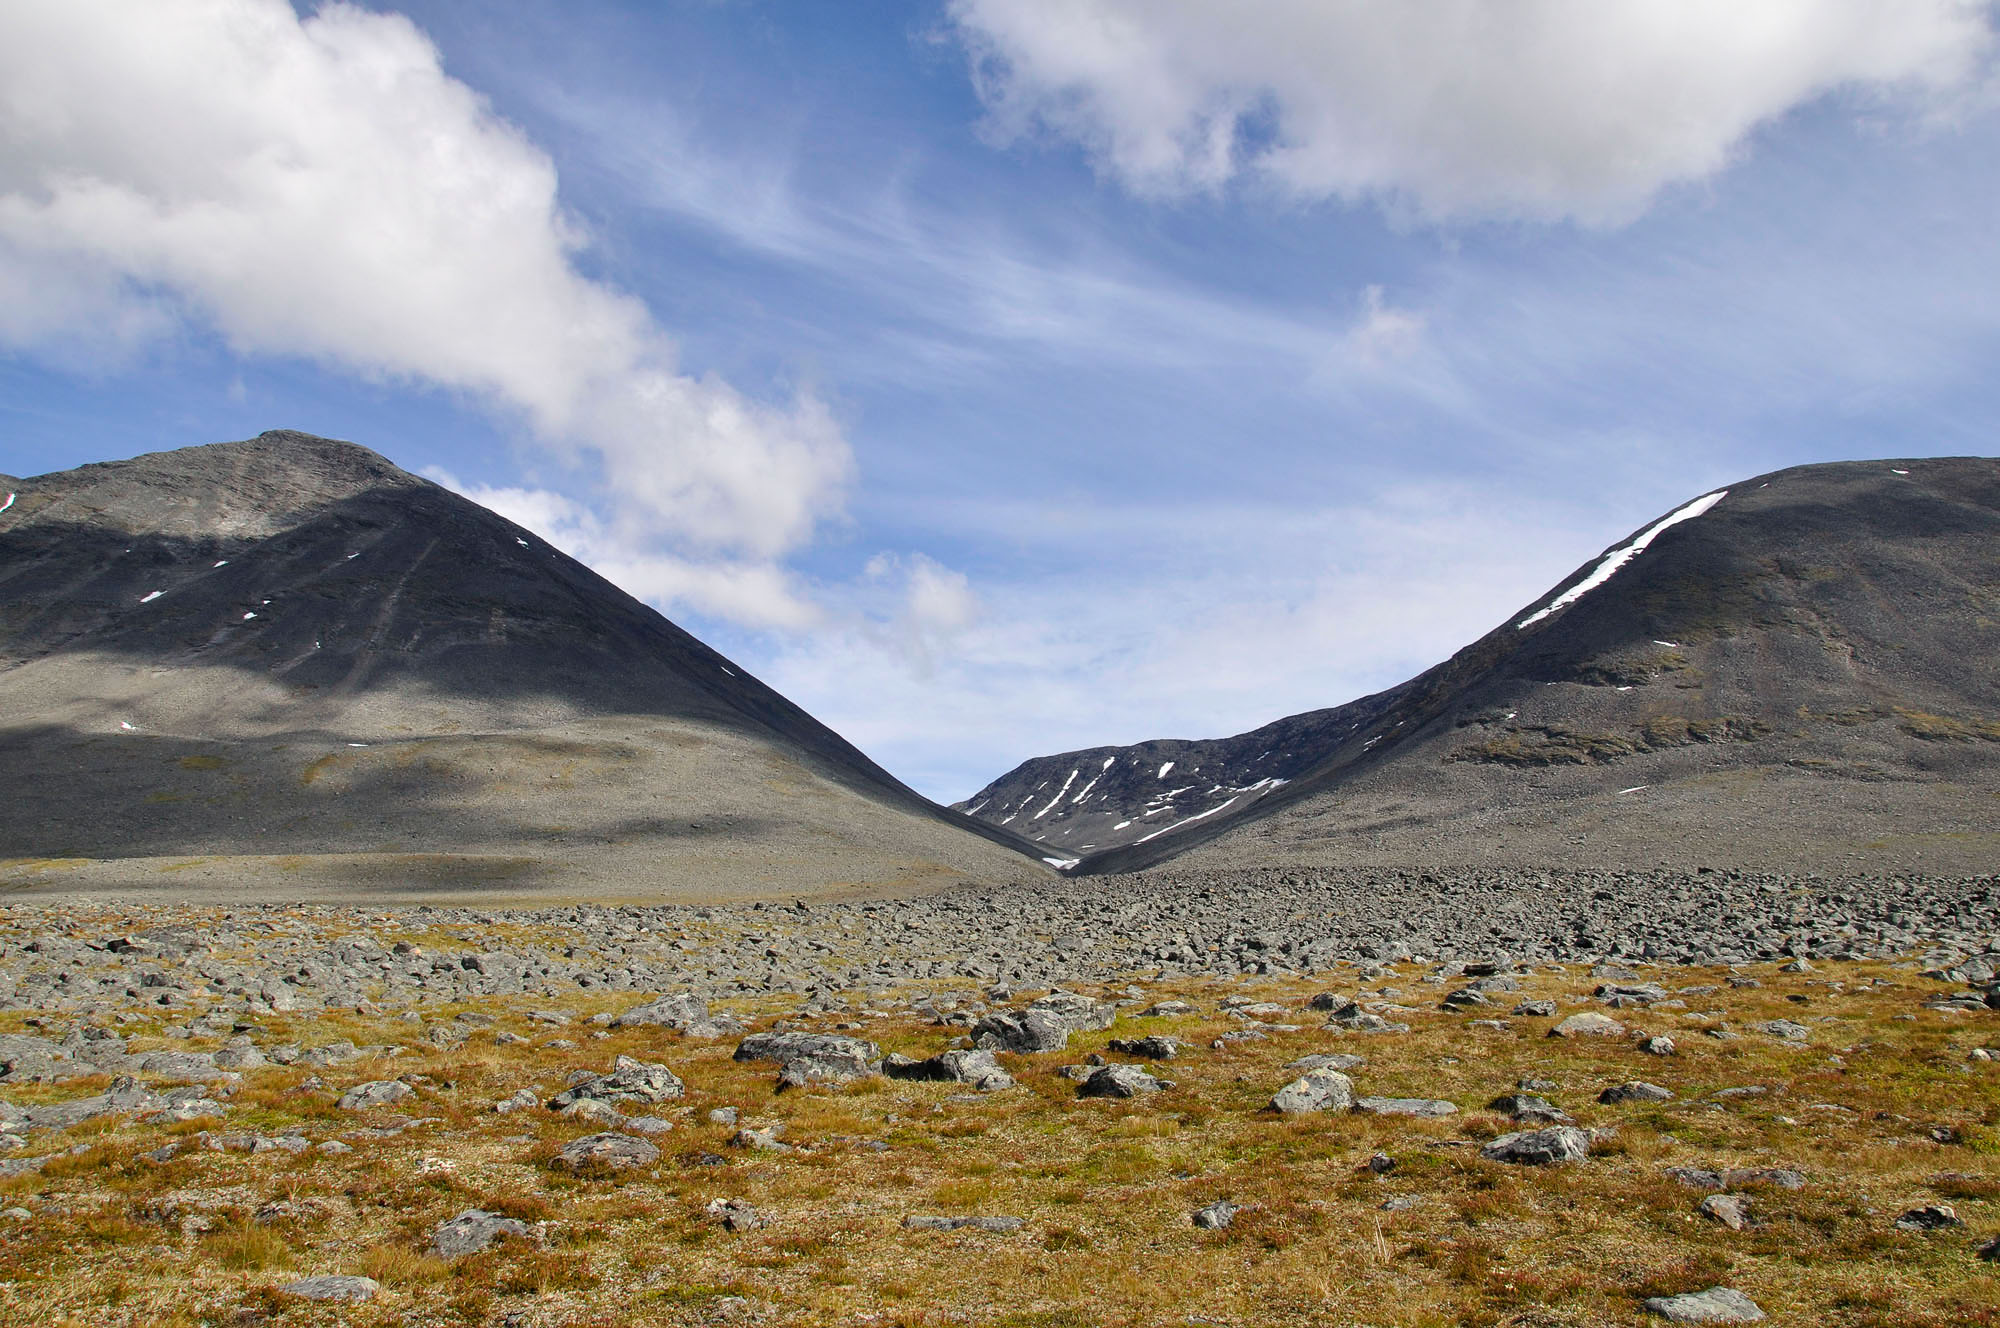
(1722, 634)
(237, 606)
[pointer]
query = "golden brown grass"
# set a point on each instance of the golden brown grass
(1106, 1188)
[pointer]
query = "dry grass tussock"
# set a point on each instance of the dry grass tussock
(1880, 1109)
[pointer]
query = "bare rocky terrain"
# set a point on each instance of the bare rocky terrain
(1717, 1098)
(1790, 675)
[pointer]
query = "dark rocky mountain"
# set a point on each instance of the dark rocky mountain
(1797, 670)
(286, 665)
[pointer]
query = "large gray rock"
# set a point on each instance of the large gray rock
(1079, 1014)
(1590, 1024)
(682, 1012)
(1636, 1091)
(1405, 1106)
(379, 1093)
(1715, 1305)
(632, 1082)
(1002, 1225)
(1539, 1148)
(472, 1231)
(1118, 1081)
(804, 1059)
(1315, 1090)
(619, 1152)
(1025, 1031)
(977, 1068)
(338, 1287)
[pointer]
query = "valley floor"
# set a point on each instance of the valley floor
(1782, 1087)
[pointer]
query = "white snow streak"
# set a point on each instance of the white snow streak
(130, 728)
(9, 503)
(223, 563)
(1121, 825)
(1062, 864)
(974, 810)
(248, 616)
(1086, 789)
(1178, 824)
(1110, 761)
(1163, 770)
(148, 599)
(1057, 798)
(1892, 471)
(1635, 788)
(1617, 558)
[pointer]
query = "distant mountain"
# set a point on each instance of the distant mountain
(1797, 669)
(286, 665)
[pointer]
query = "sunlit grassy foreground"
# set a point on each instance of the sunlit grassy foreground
(1882, 1109)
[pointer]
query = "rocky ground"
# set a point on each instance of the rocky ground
(1570, 1098)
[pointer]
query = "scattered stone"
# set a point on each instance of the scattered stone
(339, 1287)
(1406, 1106)
(1118, 1081)
(522, 1100)
(630, 1081)
(1535, 1009)
(1216, 1216)
(735, 1215)
(1315, 1090)
(763, 1140)
(1785, 1030)
(1002, 1225)
(1931, 1217)
(616, 1151)
(1539, 1148)
(472, 1231)
(1336, 1061)
(1638, 1090)
(1166, 1010)
(1026, 1031)
(1588, 1024)
(1731, 1210)
(378, 1093)
(1657, 1046)
(1529, 1107)
(1715, 1305)
(974, 1067)
(1379, 1164)
(808, 1058)
(1154, 1047)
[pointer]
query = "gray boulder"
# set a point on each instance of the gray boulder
(682, 1012)
(1026, 1031)
(632, 1082)
(1315, 1090)
(1539, 1148)
(807, 1058)
(1002, 1225)
(1405, 1106)
(472, 1231)
(1590, 1024)
(619, 1152)
(339, 1287)
(1153, 1048)
(1636, 1091)
(1118, 1081)
(1079, 1014)
(1530, 1107)
(1731, 1210)
(1715, 1305)
(977, 1068)
(1215, 1216)
(378, 1093)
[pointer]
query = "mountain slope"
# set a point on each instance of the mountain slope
(289, 654)
(1798, 668)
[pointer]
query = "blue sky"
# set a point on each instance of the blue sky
(999, 377)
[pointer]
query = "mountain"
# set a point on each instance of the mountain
(286, 667)
(1797, 670)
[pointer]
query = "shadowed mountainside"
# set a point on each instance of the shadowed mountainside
(1799, 671)
(289, 654)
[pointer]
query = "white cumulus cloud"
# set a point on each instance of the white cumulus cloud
(320, 187)
(1539, 109)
